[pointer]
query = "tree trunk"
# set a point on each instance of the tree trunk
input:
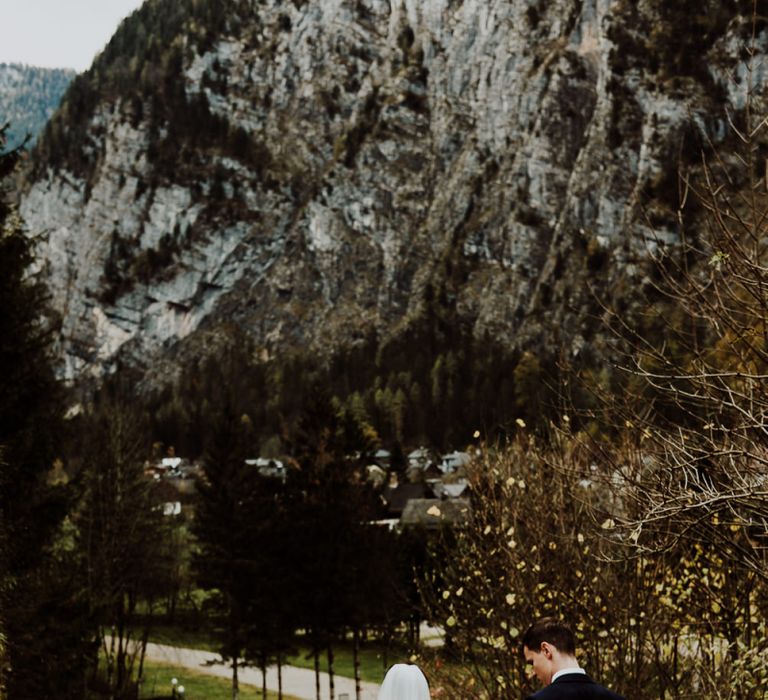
(143, 651)
(385, 655)
(109, 653)
(356, 660)
(120, 657)
(3, 661)
(331, 693)
(170, 605)
(235, 680)
(264, 676)
(316, 654)
(279, 677)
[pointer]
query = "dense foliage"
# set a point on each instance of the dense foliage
(32, 505)
(430, 385)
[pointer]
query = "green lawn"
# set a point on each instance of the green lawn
(371, 661)
(197, 686)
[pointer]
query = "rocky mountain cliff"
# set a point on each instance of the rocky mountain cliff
(318, 170)
(29, 96)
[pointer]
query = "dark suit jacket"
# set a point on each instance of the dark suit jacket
(574, 686)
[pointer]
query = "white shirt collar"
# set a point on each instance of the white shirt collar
(563, 671)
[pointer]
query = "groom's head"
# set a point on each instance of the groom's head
(548, 646)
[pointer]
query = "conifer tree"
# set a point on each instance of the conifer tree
(333, 548)
(227, 519)
(30, 438)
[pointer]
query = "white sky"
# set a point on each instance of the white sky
(58, 33)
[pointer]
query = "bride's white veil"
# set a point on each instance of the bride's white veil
(404, 682)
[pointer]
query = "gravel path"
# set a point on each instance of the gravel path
(298, 682)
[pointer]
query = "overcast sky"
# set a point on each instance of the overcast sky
(58, 33)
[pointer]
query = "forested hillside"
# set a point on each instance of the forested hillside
(28, 98)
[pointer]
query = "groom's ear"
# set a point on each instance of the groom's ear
(546, 649)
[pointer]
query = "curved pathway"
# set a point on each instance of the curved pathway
(298, 682)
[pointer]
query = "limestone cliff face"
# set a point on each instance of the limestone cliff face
(378, 153)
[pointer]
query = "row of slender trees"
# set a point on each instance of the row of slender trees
(300, 554)
(285, 563)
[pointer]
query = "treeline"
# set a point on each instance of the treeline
(301, 554)
(284, 564)
(429, 385)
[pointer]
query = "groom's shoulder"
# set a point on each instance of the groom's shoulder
(575, 687)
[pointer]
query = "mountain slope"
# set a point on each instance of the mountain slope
(29, 96)
(314, 172)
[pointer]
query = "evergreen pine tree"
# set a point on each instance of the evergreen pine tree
(229, 519)
(34, 662)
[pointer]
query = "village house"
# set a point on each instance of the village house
(432, 513)
(272, 468)
(397, 494)
(420, 458)
(454, 460)
(453, 489)
(383, 458)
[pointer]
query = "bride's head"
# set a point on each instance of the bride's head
(404, 682)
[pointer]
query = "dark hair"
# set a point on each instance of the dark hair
(552, 631)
